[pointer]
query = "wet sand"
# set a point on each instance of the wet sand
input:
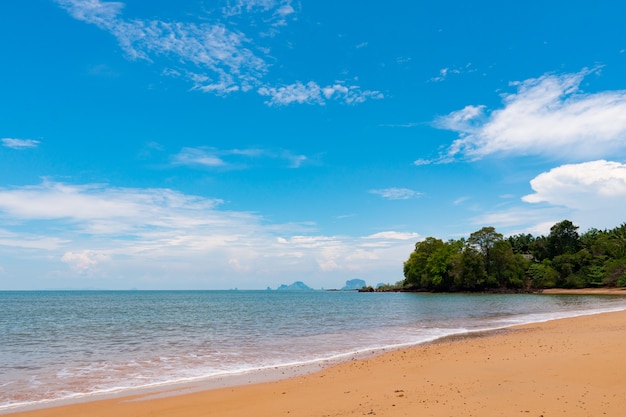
(568, 367)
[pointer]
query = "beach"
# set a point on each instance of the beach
(566, 367)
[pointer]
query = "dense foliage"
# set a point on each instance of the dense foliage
(488, 261)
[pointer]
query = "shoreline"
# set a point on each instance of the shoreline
(570, 366)
(585, 291)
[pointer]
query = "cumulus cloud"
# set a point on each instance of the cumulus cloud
(591, 194)
(396, 193)
(84, 261)
(549, 116)
(588, 185)
(19, 143)
(215, 57)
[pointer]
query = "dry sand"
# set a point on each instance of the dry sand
(569, 367)
(587, 291)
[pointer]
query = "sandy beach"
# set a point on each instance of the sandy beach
(568, 367)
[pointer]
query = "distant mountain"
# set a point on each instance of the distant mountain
(354, 284)
(296, 286)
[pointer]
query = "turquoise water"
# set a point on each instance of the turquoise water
(69, 344)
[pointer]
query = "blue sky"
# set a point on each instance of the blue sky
(248, 143)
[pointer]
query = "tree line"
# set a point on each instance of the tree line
(487, 261)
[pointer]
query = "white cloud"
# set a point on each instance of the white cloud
(521, 216)
(89, 204)
(278, 10)
(350, 94)
(84, 261)
(548, 116)
(309, 93)
(102, 14)
(461, 200)
(591, 194)
(589, 185)
(444, 73)
(195, 156)
(393, 235)
(161, 238)
(396, 193)
(30, 241)
(19, 143)
(235, 158)
(215, 57)
(227, 64)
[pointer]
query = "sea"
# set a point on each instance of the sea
(77, 345)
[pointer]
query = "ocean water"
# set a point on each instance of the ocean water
(69, 344)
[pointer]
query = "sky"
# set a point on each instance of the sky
(196, 144)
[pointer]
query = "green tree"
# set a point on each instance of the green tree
(508, 269)
(521, 243)
(416, 268)
(484, 239)
(563, 239)
(468, 271)
(542, 275)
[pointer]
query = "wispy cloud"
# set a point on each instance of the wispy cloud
(401, 125)
(446, 72)
(393, 235)
(278, 10)
(197, 157)
(207, 157)
(549, 116)
(461, 200)
(217, 57)
(19, 143)
(396, 193)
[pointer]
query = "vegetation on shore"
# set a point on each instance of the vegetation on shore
(486, 261)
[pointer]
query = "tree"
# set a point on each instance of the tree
(563, 239)
(487, 260)
(521, 243)
(416, 268)
(469, 270)
(542, 275)
(507, 269)
(429, 265)
(484, 239)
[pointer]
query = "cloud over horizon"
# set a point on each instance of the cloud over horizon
(95, 229)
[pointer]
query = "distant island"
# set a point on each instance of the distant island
(296, 286)
(351, 285)
(354, 285)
